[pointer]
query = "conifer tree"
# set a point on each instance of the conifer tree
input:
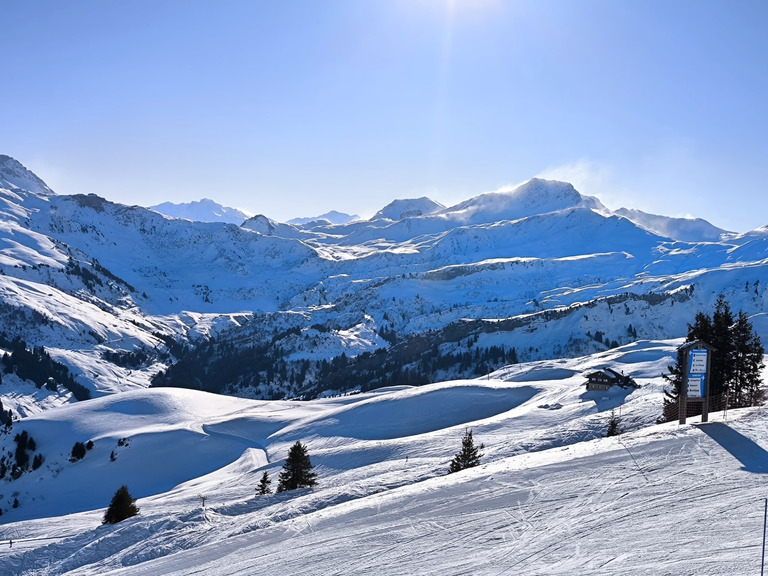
(469, 456)
(78, 452)
(297, 470)
(722, 340)
(264, 483)
(735, 366)
(747, 364)
(123, 506)
(613, 425)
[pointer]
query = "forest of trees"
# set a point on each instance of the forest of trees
(36, 365)
(736, 364)
(222, 367)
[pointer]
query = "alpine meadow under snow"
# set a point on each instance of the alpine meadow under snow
(202, 351)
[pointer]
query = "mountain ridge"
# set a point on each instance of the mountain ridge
(116, 280)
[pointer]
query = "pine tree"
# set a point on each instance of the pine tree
(722, 340)
(78, 452)
(297, 470)
(747, 364)
(264, 483)
(469, 456)
(613, 425)
(123, 506)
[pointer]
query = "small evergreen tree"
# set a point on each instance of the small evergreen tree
(37, 461)
(297, 470)
(123, 506)
(264, 483)
(613, 425)
(469, 456)
(22, 458)
(78, 452)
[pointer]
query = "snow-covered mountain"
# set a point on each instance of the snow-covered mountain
(14, 176)
(332, 217)
(204, 210)
(409, 208)
(124, 296)
(684, 229)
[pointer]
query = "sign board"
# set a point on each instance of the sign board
(698, 362)
(696, 386)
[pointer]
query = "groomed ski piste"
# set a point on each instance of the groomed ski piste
(552, 496)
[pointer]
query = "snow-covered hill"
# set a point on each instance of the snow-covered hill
(552, 495)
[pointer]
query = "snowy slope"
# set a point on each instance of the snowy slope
(684, 229)
(551, 497)
(15, 176)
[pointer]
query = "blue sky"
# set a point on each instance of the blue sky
(294, 108)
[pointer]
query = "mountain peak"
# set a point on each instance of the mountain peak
(332, 217)
(15, 176)
(536, 196)
(409, 208)
(205, 210)
(260, 224)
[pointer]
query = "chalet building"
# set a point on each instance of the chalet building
(607, 377)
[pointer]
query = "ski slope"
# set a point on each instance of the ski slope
(553, 496)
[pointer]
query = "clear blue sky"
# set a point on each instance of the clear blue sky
(293, 108)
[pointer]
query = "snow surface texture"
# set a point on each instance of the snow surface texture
(550, 497)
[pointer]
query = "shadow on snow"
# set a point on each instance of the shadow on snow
(752, 456)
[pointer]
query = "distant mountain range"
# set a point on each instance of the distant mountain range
(207, 210)
(125, 297)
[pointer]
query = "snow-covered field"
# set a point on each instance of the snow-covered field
(553, 496)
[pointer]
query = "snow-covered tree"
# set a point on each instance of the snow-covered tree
(297, 470)
(469, 456)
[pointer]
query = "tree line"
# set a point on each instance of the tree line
(36, 364)
(736, 364)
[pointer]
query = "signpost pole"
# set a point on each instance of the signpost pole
(684, 389)
(705, 380)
